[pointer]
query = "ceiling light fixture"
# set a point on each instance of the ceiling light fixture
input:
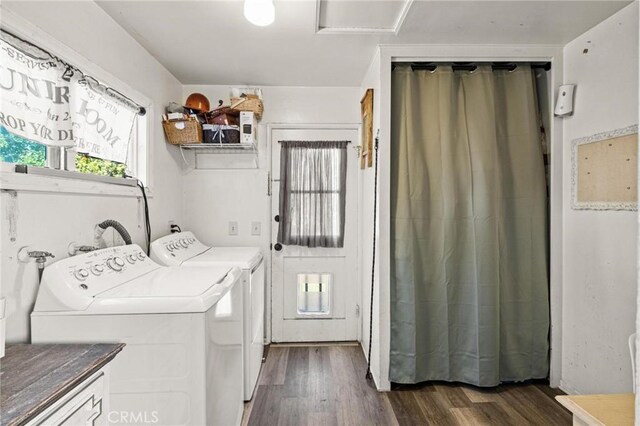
(259, 12)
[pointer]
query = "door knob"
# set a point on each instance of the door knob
(277, 246)
(277, 218)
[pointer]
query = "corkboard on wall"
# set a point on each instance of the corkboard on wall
(366, 112)
(605, 171)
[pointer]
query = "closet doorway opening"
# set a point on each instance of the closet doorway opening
(469, 222)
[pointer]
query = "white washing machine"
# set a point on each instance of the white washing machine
(184, 249)
(182, 363)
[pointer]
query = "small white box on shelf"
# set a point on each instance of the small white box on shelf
(248, 128)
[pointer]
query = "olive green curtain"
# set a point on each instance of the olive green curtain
(469, 281)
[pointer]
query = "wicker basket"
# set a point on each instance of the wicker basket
(250, 104)
(183, 131)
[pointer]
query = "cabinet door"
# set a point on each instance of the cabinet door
(85, 409)
(84, 405)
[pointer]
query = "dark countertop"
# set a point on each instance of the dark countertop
(33, 377)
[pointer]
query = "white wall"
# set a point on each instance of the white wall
(366, 191)
(212, 198)
(50, 220)
(599, 279)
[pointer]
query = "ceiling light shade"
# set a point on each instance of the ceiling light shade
(259, 12)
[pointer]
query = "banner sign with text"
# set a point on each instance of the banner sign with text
(46, 100)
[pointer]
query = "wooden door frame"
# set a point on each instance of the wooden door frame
(269, 290)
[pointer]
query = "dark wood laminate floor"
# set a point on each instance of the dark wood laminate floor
(325, 385)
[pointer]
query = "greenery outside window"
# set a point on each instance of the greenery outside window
(98, 166)
(18, 150)
(15, 149)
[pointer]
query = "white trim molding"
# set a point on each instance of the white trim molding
(11, 181)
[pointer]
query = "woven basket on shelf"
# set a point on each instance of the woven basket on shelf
(183, 131)
(250, 104)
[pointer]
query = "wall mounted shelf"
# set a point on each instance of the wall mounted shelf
(217, 155)
(222, 148)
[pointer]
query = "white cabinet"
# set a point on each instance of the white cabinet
(85, 404)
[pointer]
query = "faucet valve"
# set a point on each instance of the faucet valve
(40, 257)
(25, 254)
(75, 249)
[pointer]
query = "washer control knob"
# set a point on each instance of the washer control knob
(97, 269)
(81, 274)
(184, 243)
(140, 255)
(170, 247)
(115, 263)
(131, 258)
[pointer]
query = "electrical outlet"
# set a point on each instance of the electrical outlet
(255, 228)
(233, 228)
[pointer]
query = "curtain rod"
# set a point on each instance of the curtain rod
(472, 66)
(141, 110)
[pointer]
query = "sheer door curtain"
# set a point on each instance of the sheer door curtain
(469, 290)
(312, 193)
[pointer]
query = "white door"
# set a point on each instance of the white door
(315, 290)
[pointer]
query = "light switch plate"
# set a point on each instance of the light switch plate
(233, 228)
(256, 228)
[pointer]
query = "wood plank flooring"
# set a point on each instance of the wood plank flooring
(325, 385)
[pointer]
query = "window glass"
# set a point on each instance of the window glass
(19, 150)
(312, 194)
(98, 166)
(16, 149)
(314, 294)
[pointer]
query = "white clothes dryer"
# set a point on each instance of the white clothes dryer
(182, 363)
(185, 249)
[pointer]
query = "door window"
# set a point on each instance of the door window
(312, 193)
(314, 297)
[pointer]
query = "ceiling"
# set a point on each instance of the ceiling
(210, 42)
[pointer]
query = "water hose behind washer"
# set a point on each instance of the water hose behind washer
(102, 226)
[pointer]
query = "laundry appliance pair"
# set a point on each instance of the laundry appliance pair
(183, 362)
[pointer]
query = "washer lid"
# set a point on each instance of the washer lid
(167, 290)
(242, 257)
(171, 281)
